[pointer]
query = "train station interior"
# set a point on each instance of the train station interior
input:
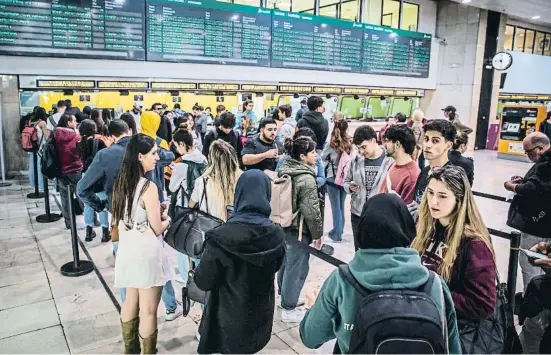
(367, 59)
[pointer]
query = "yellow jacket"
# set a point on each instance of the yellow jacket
(150, 122)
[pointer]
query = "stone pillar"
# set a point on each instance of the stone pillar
(15, 158)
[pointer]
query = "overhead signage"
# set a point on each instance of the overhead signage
(258, 88)
(530, 97)
(327, 90)
(356, 91)
(405, 92)
(123, 85)
(173, 86)
(66, 84)
(218, 87)
(295, 88)
(382, 92)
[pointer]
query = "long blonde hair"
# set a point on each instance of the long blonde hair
(465, 221)
(222, 173)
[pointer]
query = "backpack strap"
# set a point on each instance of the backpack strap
(51, 119)
(95, 146)
(345, 272)
(427, 286)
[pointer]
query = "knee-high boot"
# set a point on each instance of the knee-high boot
(149, 344)
(130, 336)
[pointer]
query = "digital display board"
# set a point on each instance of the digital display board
(313, 42)
(388, 51)
(207, 31)
(105, 29)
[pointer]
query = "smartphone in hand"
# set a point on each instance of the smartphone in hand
(532, 254)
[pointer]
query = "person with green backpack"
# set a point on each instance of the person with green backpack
(192, 165)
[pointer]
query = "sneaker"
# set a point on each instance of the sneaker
(294, 316)
(301, 302)
(172, 315)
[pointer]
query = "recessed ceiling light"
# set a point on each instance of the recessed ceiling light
(466, 1)
(537, 17)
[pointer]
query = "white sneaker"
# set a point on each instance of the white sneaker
(294, 316)
(170, 316)
(301, 302)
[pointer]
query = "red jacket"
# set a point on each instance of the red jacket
(66, 140)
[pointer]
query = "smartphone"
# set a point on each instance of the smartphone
(354, 184)
(532, 255)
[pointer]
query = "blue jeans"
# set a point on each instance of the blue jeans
(89, 213)
(183, 265)
(168, 296)
(31, 172)
(293, 272)
(337, 196)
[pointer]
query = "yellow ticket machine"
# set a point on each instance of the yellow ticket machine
(518, 121)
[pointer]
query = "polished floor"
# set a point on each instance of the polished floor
(42, 311)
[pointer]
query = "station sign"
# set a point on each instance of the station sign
(356, 91)
(295, 88)
(66, 84)
(405, 92)
(258, 88)
(123, 85)
(327, 90)
(525, 97)
(173, 86)
(383, 92)
(218, 87)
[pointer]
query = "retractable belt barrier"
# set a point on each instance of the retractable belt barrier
(48, 216)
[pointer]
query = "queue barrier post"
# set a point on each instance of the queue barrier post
(513, 268)
(76, 267)
(47, 217)
(36, 193)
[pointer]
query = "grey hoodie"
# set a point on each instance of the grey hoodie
(357, 174)
(287, 129)
(179, 173)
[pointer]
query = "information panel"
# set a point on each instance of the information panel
(208, 32)
(105, 29)
(313, 42)
(388, 51)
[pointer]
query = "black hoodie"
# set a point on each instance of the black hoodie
(317, 123)
(238, 267)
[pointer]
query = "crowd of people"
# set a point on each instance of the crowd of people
(416, 227)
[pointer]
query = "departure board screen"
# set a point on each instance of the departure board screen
(388, 51)
(106, 29)
(207, 31)
(313, 42)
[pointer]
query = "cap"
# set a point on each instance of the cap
(137, 105)
(449, 109)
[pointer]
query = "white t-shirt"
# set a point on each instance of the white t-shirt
(56, 117)
(197, 196)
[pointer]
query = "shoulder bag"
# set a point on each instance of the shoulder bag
(187, 234)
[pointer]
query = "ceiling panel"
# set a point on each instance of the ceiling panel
(520, 9)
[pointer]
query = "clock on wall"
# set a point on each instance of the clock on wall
(502, 61)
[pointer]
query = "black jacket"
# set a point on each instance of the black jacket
(165, 129)
(238, 267)
(317, 123)
(530, 211)
(232, 138)
(467, 164)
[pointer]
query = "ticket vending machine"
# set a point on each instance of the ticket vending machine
(518, 121)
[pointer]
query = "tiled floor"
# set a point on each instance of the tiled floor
(42, 311)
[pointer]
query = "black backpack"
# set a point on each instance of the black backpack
(397, 321)
(50, 165)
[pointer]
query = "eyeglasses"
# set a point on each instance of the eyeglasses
(529, 151)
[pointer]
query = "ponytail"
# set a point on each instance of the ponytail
(299, 146)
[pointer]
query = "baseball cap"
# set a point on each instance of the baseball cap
(449, 109)
(137, 105)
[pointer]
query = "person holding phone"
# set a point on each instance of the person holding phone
(366, 175)
(544, 263)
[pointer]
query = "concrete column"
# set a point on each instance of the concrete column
(460, 61)
(16, 159)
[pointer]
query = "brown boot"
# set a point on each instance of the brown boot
(130, 336)
(149, 344)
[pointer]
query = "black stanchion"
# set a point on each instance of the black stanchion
(75, 267)
(513, 268)
(36, 193)
(48, 217)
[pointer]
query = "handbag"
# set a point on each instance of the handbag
(495, 335)
(191, 292)
(187, 234)
(514, 218)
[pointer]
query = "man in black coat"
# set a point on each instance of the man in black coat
(238, 267)
(225, 132)
(314, 120)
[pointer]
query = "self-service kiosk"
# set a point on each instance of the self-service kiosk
(517, 122)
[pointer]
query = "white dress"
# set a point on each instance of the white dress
(141, 261)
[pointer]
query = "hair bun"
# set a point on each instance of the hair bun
(288, 145)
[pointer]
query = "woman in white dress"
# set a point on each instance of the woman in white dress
(141, 265)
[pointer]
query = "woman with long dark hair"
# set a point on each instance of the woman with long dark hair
(340, 146)
(102, 132)
(88, 147)
(130, 121)
(141, 266)
(39, 119)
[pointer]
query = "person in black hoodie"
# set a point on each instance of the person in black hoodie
(314, 120)
(225, 132)
(456, 158)
(238, 267)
